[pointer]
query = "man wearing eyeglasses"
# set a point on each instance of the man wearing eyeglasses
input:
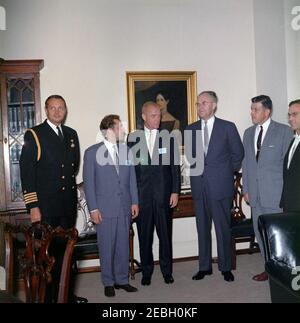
(290, 201)
(213, 190)
(265, 144)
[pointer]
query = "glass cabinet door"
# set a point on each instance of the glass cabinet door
(21, 116)
(20, 109)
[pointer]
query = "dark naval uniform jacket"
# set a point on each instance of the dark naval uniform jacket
(48, 168)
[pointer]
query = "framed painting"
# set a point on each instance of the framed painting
(174, 92)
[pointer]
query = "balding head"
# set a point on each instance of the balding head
(151, 115)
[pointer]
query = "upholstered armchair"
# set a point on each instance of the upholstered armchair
(281, 239)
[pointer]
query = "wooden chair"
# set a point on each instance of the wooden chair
(241, 226)
(34, 261)
(6, 260)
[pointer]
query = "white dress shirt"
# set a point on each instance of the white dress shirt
(53, 126)
(293, 149)
(110, 147)
(150, 134)
(265, 126)
(210, 126)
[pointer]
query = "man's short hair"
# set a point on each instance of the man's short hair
(56, 97)
(294, 102)
(108, 122)
(264, 100)
(212, 94)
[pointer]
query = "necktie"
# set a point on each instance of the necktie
(292, 151)
(60, 135)
(206, 138)
(116, 158)
(258, 143)
(150, 143)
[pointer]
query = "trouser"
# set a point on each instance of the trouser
(154, 215)
(208, 209)
(258, 210)
(113, 245)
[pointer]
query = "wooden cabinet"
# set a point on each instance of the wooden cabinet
(20, 107)
(185, 207)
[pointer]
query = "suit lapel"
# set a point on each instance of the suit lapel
(251, 140)
(54, 141)
(213, 137)
(296, 155)
(268, 136)
(110, 161)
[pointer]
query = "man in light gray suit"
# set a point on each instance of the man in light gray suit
(265, 145)
(112, 198)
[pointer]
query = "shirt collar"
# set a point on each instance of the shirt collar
(297, 137)
(53, 126)
(210, 121)
(265, 125)
(148, 130)
(109, 145)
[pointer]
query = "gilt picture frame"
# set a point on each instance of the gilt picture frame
(177, 89)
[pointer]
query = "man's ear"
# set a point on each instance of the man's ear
(215, 107)
(143, 116)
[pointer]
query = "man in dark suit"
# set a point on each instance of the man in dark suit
(112, 198)
(158, 179)
(48, 164)
(290, 201)
(213, 190)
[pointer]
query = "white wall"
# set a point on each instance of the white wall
(293, 51)
(89, 45)
(270, 53)
(1, 25)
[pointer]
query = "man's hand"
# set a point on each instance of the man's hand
(35, 215)
(96, 216)
(173, 200)
(246, 197)
(134, 211)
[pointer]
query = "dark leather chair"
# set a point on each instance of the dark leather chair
(281, 239)
(241, 226)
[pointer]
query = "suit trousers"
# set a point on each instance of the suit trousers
(155, 214)
(258, 210)
(113, 245)
(208, 209)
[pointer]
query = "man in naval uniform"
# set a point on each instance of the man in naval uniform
(48, 164)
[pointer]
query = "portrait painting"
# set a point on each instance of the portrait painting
(174, 92)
